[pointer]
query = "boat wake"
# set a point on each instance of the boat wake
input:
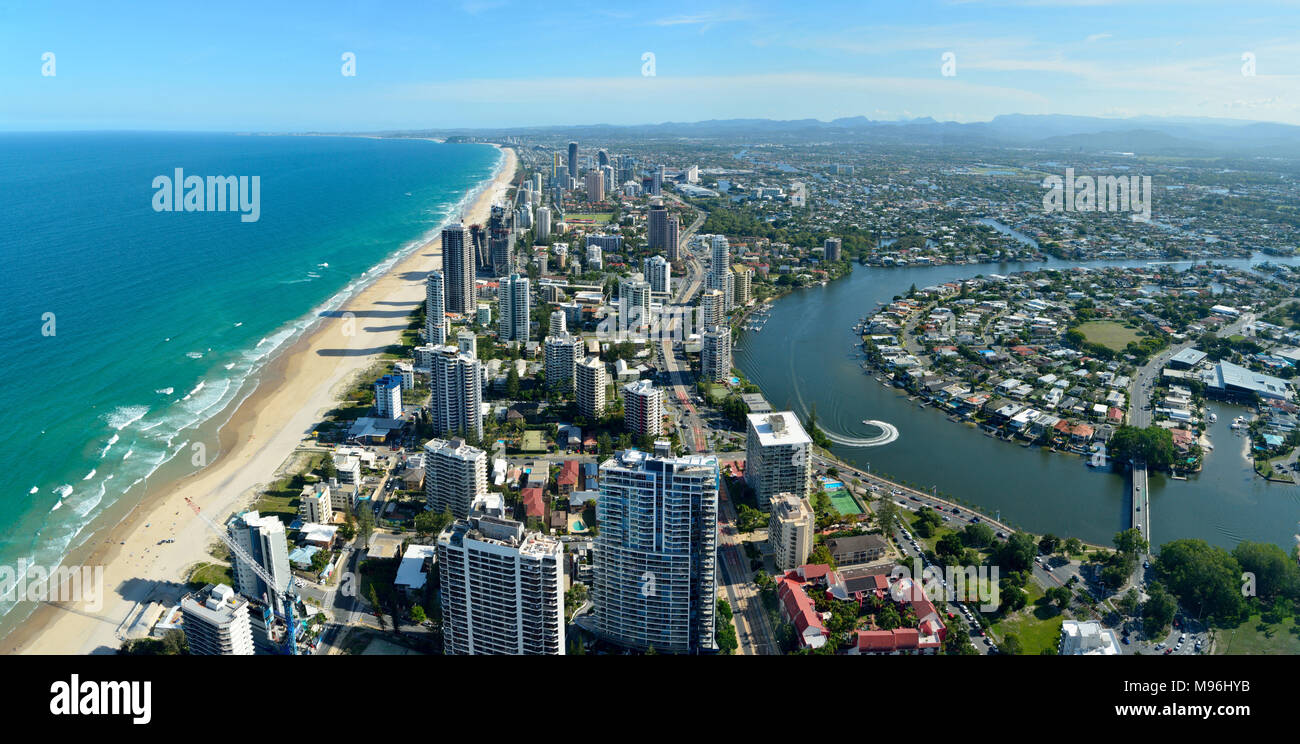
(888, 433)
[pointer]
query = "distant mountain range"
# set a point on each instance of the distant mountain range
(1145, 135)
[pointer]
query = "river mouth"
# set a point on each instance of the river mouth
(799, 363)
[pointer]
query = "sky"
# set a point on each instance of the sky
(280, 67)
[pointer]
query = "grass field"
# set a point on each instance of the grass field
(210, 573)
(1281, 638)
(599, 218)
(533, 441)
(1109, 333)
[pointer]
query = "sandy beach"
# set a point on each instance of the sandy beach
(295, 389)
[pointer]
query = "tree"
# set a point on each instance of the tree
(977, 535)
(1276, 574)
(1158, 611)
(431, 522)
(1073, 546)
(1204, 578)
(1060, 596)
(327, 467)
(726, 636)
(418, 615)
(1049, 543)
(1011, 645)
(748, 518)
(512, 382)
(1017, 553)
(886, 513)
(1130, 602)
(821, 555)
(949, 547)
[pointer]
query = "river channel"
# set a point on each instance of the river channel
(808, 354)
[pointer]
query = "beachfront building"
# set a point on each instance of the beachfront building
(512, 309)
(659, 273)
(216, 622)
(315, 503)
(454, 475)
(778, 456)
(501, 588)
(563, 352)
(790, 531)
(467, 343)
(456, 393)
(435, 309)
(715, 354)
(388, 397)
(643, 409)
(654, 578)
(458, 269)
(263, 539)
(590, 381)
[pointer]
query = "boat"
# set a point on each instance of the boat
(1239, 422)
(1214, 418)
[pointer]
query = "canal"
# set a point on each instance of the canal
(807, 354)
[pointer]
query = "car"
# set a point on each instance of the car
(1126, 641)
(955, 510)
(1182, 637)
(1038, 559)
(1047, 568)
(1146, 564)
(975, 520)
(1168, 651)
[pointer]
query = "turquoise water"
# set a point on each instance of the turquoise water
(159, 318)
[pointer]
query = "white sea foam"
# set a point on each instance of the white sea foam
(89, 475)
(129, 452)
(63, 490)
(35, 489)
(166, 391)
(194, 354)
(57, 505)
(124, 416)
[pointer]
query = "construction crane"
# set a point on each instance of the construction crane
(289, 595)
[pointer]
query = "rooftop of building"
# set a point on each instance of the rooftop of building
(778, 428)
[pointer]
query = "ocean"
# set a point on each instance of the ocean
(126, 327)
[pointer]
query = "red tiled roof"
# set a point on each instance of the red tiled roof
(568, 473)
(534, 505)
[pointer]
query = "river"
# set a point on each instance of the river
(807, 354)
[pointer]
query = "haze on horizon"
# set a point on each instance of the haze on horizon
(244, 66)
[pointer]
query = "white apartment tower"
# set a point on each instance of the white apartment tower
(559, 323)
(456, 393)
(655, 582)
(711, 312)
(790, 531)
(715, 354)
(543, 223)
(778, 455)
(388, 397)
(454, 475)
(634, 302)
(435, 309)
(744, 284)
(591, 382)
(720, 276)
(512, 309)
(501, 589)
(563, 353)
(262, 538)
(643, 408)
(216, 622)
(659, 273)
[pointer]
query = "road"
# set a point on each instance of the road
(753, 631)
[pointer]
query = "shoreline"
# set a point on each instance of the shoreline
(262, 432)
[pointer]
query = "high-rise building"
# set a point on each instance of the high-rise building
(573, 160)
(388, 397)
(543, 223)
(778, 456)
(634, 301)
(456, 393)
(715, 354)
(744, 284)
(671, 245)
(501, 589)
(591, 382)
(216, 622)
(659, 273)
(563, 352)
(654, 579)
(658, 187)
(720, 276)
(315, 504)
(501, 241)
(559, 323)
(458, 269)
(595, 182)
(657, 227)
(512, 309)
(262, 538)
(602, 158)
(833, 249)
(435, 308)
(643, 408)
(467, 343)
(711, 313)
(790, 531)
(595, 259)
(482, 255)
(454, 475)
